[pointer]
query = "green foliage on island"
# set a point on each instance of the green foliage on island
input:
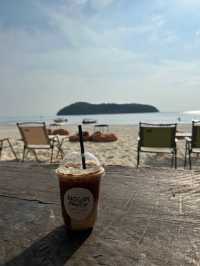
(84, 108)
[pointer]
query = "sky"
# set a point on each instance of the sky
(54, 53)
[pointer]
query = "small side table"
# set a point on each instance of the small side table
(101, 127)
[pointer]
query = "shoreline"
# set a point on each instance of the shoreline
(111, 119)
(121, 152)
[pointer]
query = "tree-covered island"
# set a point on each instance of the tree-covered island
(84, 108)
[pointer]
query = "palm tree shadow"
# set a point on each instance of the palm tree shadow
(54, 249)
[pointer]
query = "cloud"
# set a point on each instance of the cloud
(89, 52)
(158, 20)
(100, 4)
(197, 33)
(188, 3)
(177, 4)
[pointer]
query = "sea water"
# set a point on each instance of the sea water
(111, 119)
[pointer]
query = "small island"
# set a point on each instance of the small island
(84, 108)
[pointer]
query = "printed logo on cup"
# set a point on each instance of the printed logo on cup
(78, 203)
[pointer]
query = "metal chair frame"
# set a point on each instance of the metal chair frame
(51, 143)
(159, 146)
(2, 141)
(192, 143)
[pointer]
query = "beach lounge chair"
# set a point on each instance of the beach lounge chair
(6, 140)
(157, 138)
(193, 143)
(34, 136)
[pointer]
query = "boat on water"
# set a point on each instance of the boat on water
(89, 121)
(192, 112)
(60, 120)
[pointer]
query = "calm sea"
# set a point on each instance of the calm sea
(115, 119)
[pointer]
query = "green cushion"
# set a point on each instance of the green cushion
(159, 137)
(196, 137)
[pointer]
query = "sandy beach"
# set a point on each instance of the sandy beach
(121, 152)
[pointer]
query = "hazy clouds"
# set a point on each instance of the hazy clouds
(55, 53)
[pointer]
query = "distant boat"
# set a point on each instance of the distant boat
(89, 121)
(193, 112)
(60, 120)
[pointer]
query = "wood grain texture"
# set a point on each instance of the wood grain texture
(146, 217)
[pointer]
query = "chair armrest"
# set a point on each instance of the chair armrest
(188, 139)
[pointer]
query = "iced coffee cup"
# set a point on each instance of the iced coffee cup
(79, 190)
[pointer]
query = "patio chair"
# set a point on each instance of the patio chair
(157, 138)
(34, 136)
(193, 143)
(6, 140)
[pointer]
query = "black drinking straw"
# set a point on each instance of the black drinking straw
(82, 146)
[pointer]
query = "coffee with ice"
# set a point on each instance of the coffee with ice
(79, 190)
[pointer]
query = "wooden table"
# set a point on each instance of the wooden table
(146, 217)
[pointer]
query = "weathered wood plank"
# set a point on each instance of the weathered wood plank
(146, 217)
(32, 183)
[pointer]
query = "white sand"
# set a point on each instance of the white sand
(121, 152)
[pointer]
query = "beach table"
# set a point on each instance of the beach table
(101, 127)
(60, 141)
(147, 216)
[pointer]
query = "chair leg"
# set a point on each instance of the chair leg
(186, 150)
(190, 160)
(12, 149)
(138, 157)
(24, 153)
(61, 153)
(35, 154)
(175, 159)
(60, 150)
(51, 159)
(172, 161)
(1, 147)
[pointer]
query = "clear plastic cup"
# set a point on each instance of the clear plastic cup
(79, 190)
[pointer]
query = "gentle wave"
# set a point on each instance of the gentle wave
(114, 119)
(193, 112)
